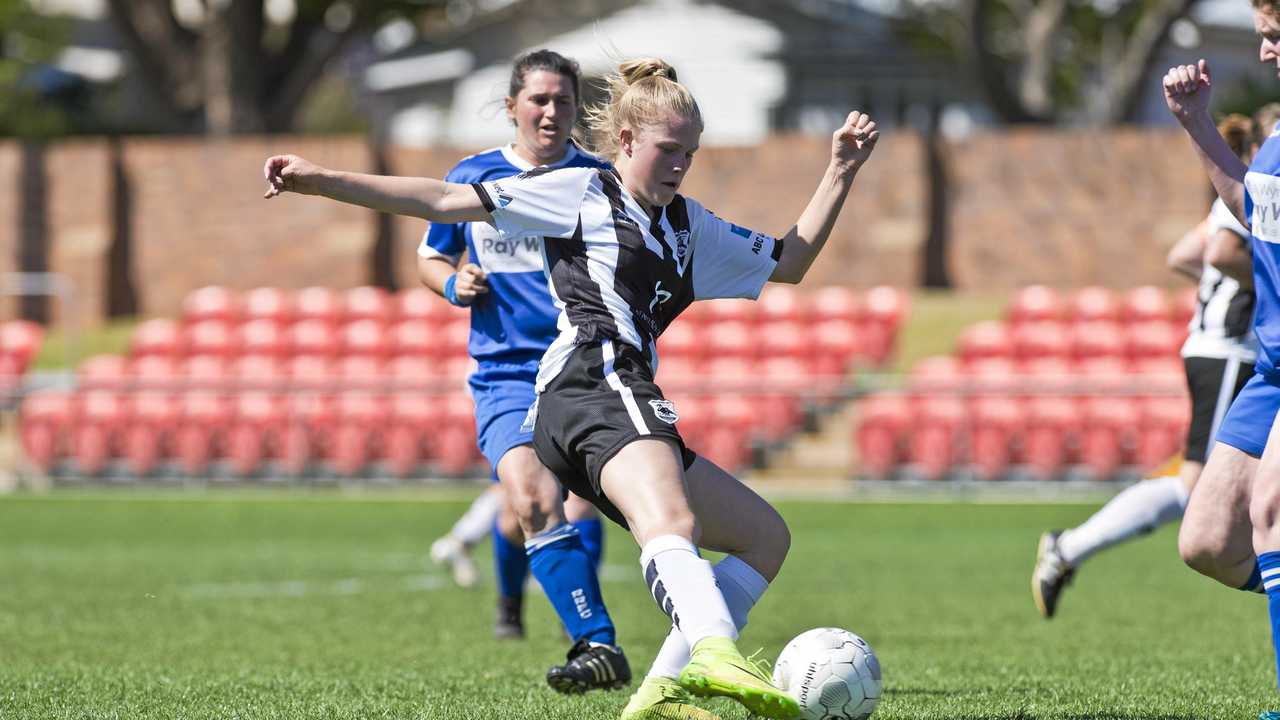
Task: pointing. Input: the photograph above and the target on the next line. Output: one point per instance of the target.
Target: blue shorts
(1248, 422)
(503, 393)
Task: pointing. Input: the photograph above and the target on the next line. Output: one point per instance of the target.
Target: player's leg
(646, 481)
(454, 548)
(1264, 513)
(586, 519)
(564, 569)
(1216, 538)
(736, 521)
(512, 567)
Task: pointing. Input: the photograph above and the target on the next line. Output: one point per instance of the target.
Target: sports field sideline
(314, 605)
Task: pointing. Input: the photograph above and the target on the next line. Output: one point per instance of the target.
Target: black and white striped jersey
(615, 272)
(1222, 326)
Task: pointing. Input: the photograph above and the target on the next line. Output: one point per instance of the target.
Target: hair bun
(633, 71)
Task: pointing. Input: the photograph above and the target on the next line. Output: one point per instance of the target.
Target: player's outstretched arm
(435, 200)
(851, 145)
(1187, 89)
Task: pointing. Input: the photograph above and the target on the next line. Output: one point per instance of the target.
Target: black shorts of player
(603, 399)
(1213, 384)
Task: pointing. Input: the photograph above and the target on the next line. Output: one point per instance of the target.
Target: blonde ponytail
(642, 92)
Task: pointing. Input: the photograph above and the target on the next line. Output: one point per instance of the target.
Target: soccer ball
(832, 673)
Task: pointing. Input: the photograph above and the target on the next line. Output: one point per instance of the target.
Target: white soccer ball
(832, 673)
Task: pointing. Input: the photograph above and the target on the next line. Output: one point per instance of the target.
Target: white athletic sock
(477, 521)
(741, 587)
(685, 588)
(1139, 508)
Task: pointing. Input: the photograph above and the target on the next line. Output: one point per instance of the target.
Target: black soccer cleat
(590, 667)
(510, 622)
(1052, 574)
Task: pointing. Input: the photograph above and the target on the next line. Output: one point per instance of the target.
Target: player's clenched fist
(290, 173)
(1187, 89)
(852, 144)
(471, 281)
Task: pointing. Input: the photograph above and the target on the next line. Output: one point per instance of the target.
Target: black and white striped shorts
(603, 399)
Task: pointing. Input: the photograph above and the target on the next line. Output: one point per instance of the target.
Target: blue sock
(1269, 564)
(1254, 583)
(511, 564)
(591, 530)
(562, 566)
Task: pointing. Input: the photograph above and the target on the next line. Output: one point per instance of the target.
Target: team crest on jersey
(503, 198)
(682, 244)
(665, 410)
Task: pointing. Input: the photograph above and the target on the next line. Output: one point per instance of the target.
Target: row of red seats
(884, 305)
(1046, 434)
(419, 338)
(837, 343)
(1086, 339)
(949, 375)
(270, 372)
(1141, 304)
(20, 342)
(250, 432)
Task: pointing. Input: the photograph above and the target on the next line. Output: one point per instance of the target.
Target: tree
(233, 70)
(28, 42)
(1051, 61)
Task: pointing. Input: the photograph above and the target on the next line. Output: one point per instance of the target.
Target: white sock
(685, 588)
(741, 587)
(1139, 508)
(477, 521)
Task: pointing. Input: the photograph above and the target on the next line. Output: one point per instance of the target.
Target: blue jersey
(516, 320)
(1262, 208)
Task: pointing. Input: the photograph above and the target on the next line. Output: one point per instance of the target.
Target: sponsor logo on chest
(1264, 190)
(496, 254)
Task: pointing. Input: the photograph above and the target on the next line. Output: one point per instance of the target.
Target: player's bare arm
(1187, 89)
(435, 200)
(1230, 254)
(851, 146)
(1186, 257)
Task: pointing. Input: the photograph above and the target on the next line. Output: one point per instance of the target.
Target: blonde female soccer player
(624, 255)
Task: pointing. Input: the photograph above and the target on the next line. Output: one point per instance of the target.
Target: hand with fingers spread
(852, 144)
(471, 281)
(290, 173)
(1187, 89)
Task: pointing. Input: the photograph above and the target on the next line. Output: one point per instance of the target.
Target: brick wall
(1065, 208)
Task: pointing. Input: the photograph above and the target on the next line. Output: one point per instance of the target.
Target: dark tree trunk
(122, 295)
(33, 237)
(935, 262)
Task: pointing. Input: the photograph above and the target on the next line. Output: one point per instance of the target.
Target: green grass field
(317, 606)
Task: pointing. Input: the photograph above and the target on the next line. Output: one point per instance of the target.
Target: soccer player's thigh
(1264, 506)
(735, 520)
(1215, 530)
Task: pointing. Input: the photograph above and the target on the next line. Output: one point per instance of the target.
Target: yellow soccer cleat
(717, 669)
(660, 698)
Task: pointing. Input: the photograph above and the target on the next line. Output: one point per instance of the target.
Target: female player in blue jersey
(513, 320)
(1231, 529)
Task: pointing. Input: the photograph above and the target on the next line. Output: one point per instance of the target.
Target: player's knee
(1204, 552)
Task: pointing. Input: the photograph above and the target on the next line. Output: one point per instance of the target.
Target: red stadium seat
(412, 338)
(453, 446)
(835, 302)
(1162, 429)
(318, 303)
(935, 438)
(104, 371)
(994, 377)
(258, 423)
(411, 373)
(989, 339)
(736, 412)
(259, 372)
(726, 447)
(837, 344)
(682, 339)
(678, 374)
(454, 338)
(210, 337)
(1053, 424)
(101, 420)
(153, 418)
(1160, 377)
(357, 371)
(366, 338)
(204, 372)
(21, 339)
(269, 303)
(729, 375)
(1093, 303)
(880, 433)
(1109, 435)
(1097, 339)
(782, 303)
(885, 308)
(1047, 376)
(1145, 304)
(1103, 376)
(784, 339)
(413, 416)
(46, 420)
(1041, 338)
(205, 418)
(261, 337)
(156, 372)
(725, 339)
(1184, 306)
(715, 312)
(1035, 303)
(937, 375)
(696, 416)
(997, 428)
(312, 337)
(455, 369)
(784, 387)
(156, 337)
(211, 303)
(419, 303)
(1153, 339)
(369, 303)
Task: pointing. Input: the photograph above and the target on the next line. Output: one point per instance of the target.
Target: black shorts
(603, 399)
(1213, 384)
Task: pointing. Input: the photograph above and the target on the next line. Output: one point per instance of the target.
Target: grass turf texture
(314, 606)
